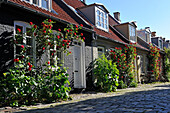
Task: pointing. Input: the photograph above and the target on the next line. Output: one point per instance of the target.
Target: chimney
(164, 39)
(117, 16)
(154, 34)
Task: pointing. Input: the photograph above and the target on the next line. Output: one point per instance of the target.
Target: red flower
(58, 37)
(19, 30)
(43, 48)
(71, 30)
(70, 52)
(16, 60)
(67, 30)
(68, 46)
(81, 25)
(122, 76)
(50, 26)
(30, 66)
(52, 54)
(29, 69)
(35, 26)
(83, 38)
(81, 34)
(67, 43)
(23, 56)
(76, 26)
(123, 67)
(44, 31)
(35, 34)
(31, 23)
(29, 63)
(75, 34)
(48, 62)
(59, 29)
(64, 40)
(125, 45)
(42, 24)
(63, 45)
(125, 51)
(49, 20)
(119, 65)
(22, 46)
(49, 43)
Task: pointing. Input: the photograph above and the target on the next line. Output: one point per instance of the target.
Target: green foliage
(167, 62)
(106, 74)
(24, 84)
(122, 85)
(154, 61)
(124, 59)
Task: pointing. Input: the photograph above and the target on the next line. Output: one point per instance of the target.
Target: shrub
(106, 74)
(25, 84)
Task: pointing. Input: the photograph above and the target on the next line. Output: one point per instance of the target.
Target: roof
(95, 4)
(61, 13)
(77, 4)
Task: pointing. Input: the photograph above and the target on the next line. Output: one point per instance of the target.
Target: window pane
(105, 26)
(98, 23)
(29, 41)
(44, 3)
(19, 29)
(28, 31)
(105, 21)
(102, 25)
(98, 12)
(27, 0)
(101, 14)
(98, 18)
(105, 16)
(102, 20)
(35, 2)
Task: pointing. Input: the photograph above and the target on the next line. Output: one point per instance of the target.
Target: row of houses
(102, 31)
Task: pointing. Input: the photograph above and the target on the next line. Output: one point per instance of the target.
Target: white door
(79, 74)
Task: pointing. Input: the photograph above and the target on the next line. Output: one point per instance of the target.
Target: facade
(102, 32)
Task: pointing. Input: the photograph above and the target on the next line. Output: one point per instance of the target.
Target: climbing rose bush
(26, 84)
(154, 61)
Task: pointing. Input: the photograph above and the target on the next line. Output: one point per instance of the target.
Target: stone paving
(150, 98)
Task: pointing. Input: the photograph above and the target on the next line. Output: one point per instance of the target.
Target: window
(100, 51)
(46, 4)
(160, 44)
(132, 33)
(102, 19)
(22, 38)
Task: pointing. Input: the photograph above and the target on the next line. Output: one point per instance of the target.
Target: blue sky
(147, 13)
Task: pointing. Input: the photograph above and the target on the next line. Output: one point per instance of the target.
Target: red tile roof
(75, 3)
(109, 34)
(61, 13)
(140, 46)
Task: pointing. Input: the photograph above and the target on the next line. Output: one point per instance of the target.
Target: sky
(147, 13)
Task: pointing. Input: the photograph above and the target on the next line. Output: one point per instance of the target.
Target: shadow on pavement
(142, 101)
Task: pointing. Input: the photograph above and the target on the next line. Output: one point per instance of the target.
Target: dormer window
(45, 4)
(101, 19)
(132, 33)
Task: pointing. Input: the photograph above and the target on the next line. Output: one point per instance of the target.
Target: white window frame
(132, 33)
(100, 52)
(105, 17)
(25, 25)
(55, 54)
(49, 4)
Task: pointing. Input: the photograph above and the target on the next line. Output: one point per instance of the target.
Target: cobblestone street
(149, 98)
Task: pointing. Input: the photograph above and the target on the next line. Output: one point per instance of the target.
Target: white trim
(96, 20)
(49, 5)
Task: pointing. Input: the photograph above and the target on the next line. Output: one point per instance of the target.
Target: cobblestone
(150, 98)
